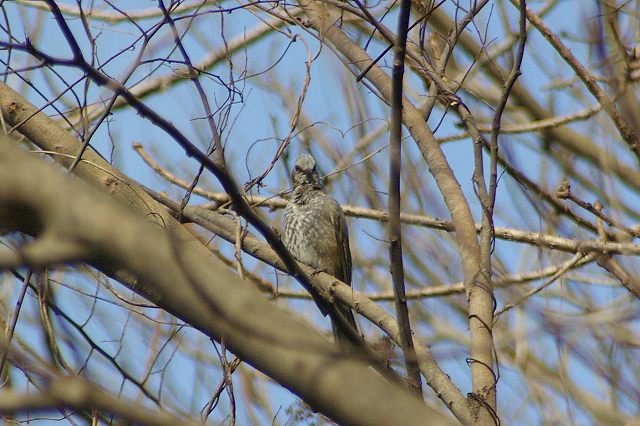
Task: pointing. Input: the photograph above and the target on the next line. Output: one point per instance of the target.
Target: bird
(315, 232)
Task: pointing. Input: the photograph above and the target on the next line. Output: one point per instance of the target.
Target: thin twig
(564, 193)
(574, 260)
(508, 234)
(11, 327)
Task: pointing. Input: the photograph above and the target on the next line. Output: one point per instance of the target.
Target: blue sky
(252, 135)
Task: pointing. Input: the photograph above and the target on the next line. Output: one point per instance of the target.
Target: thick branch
(359, 302)
(179, 279)
(81, 395)
(48, 136)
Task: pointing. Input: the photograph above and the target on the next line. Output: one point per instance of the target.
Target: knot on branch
(564, 190)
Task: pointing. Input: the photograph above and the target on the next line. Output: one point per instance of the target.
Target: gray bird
(315, 231)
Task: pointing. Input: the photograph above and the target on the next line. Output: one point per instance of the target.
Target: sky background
(256, 124)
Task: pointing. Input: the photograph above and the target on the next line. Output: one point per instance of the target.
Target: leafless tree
(486, 154)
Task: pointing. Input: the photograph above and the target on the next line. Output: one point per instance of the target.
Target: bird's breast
(310, 236)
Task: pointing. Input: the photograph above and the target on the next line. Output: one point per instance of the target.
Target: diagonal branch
(626, 130)
(179, 280)
(323, 301)
(359, 302)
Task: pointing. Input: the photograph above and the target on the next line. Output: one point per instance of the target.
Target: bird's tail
(340, 337)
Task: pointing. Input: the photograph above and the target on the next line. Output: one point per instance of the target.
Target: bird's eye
(297, 169)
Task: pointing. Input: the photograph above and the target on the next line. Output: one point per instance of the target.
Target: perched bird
(315, 231)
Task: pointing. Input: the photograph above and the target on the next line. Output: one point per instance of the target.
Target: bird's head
(305, 172)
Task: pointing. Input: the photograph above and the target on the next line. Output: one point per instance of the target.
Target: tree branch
(395, 230)
(179, 281)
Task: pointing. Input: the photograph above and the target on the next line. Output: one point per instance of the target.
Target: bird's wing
(342, 240)
(344, 256)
